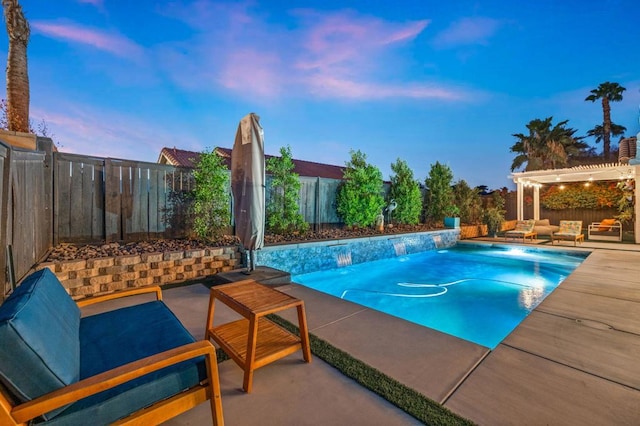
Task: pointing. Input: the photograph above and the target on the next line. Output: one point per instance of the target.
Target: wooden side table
(253, 341)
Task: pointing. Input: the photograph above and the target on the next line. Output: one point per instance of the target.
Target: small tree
(211, 196)
(405, 191)
(468, 201)
(494, 213)
(359, 198)
(439, 199)
(283, 215)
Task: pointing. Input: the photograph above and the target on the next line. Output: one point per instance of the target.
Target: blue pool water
(476, 293)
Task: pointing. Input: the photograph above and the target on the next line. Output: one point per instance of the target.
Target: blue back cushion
(39, 335)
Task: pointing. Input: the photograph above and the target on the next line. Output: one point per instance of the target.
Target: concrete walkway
(574, 360)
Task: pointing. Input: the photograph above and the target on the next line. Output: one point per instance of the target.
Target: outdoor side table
(254, 341)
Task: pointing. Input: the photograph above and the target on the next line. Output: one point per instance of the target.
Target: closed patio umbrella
(248, 186)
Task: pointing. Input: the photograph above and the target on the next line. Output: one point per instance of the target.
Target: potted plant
(452, 217)
(494, 214)
(493, 218)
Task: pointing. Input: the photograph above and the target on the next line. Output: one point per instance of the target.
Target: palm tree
(17, 74)
(598, 131)
(546, 147)
(607, 92)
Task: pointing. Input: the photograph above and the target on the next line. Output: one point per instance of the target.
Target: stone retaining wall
(106, 274)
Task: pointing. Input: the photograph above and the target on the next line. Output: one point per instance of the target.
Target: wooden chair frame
(594, 228)
(577, 237)
(159, 412)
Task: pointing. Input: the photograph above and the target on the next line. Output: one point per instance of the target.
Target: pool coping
(511, 385)
(532, 374)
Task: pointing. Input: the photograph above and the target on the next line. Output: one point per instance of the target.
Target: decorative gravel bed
(64, 252)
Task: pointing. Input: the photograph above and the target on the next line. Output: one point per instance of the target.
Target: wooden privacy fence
(26, 181)
(318, 201)
(113, 200)
(48, 198)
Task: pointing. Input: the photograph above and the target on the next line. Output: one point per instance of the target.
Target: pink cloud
(330, 87)
(252, 71)
(336, 54)
(340, 38)
(113, 43)
(467, 31)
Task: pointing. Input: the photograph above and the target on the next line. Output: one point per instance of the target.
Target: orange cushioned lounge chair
(607, 230)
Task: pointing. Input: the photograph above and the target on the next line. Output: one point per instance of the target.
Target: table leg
(304, 333)
(212, 305)
(251, 354)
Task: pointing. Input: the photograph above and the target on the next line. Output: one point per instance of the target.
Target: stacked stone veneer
(104, 275)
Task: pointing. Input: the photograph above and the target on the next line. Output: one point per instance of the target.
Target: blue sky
(420, 80)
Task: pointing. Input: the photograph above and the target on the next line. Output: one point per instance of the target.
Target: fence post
(46, 145)
(112, 201)
(317, 218)
(5, 162)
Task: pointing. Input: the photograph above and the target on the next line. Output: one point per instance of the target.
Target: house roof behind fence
(181, 157)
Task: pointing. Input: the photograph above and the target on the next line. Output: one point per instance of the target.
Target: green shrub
(598, 195)
(211, 206)
(626, 203)
(405, 191)
(439, 198)
(493, 214)
(469, 202)
(359, 198)
(283, 215)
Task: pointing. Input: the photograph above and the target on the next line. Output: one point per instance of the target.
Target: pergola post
(520, 200)
(636, 229)
(536, 202)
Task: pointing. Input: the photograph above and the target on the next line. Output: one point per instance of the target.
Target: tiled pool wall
(321, 255)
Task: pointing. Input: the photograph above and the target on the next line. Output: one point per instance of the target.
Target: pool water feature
(474, 292)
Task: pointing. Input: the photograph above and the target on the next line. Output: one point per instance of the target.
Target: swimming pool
(474, 292)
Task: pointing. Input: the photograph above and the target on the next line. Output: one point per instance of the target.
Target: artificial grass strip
(221, 355)
(403, 397)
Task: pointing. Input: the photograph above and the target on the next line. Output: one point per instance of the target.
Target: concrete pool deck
(574, 360)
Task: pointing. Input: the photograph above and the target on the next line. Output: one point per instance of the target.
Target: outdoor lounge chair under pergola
(600, 172)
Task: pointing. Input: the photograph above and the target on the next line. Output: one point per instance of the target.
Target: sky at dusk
(420, 80)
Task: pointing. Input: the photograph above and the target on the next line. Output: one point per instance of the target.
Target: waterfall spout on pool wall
(400, 248)
(343, 259)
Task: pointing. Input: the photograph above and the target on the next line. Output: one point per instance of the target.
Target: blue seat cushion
(39, 335)
(115, 338)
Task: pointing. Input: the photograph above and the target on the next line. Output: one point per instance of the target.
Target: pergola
(599, 172)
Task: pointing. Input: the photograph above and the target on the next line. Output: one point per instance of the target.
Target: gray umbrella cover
(248, 182)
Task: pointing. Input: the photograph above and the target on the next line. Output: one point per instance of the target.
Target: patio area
(574, 360)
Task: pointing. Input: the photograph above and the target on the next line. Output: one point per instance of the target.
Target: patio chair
(570, 230)
(523, 229)
(607, 230)
(132, 365)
